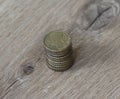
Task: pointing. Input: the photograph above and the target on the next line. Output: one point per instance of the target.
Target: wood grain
(23, 25)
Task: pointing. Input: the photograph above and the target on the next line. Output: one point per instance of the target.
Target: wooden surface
(23, 25)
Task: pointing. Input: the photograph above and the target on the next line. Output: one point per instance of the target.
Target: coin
(60, 59)
(58, 68)
(57, 43)
(59, 54)
(60, 64)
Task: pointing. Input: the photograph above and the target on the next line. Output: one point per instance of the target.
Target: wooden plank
(23, 25)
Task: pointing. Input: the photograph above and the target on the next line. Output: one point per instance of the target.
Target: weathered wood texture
(96, 72)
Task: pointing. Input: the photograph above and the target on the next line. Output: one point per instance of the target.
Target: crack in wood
(7, 90)
(4, 95)
(12, 84)
(99, 15)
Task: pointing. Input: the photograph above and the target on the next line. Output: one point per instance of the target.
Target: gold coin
(58, 68)
(62, 64)
(57, 42)
(59, 54)
(60, 59)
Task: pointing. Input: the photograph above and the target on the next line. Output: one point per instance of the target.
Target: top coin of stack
(58, 49)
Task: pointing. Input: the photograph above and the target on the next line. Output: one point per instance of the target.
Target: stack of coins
(58, 49)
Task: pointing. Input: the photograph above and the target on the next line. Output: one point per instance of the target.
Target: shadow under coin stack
(58, 49)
